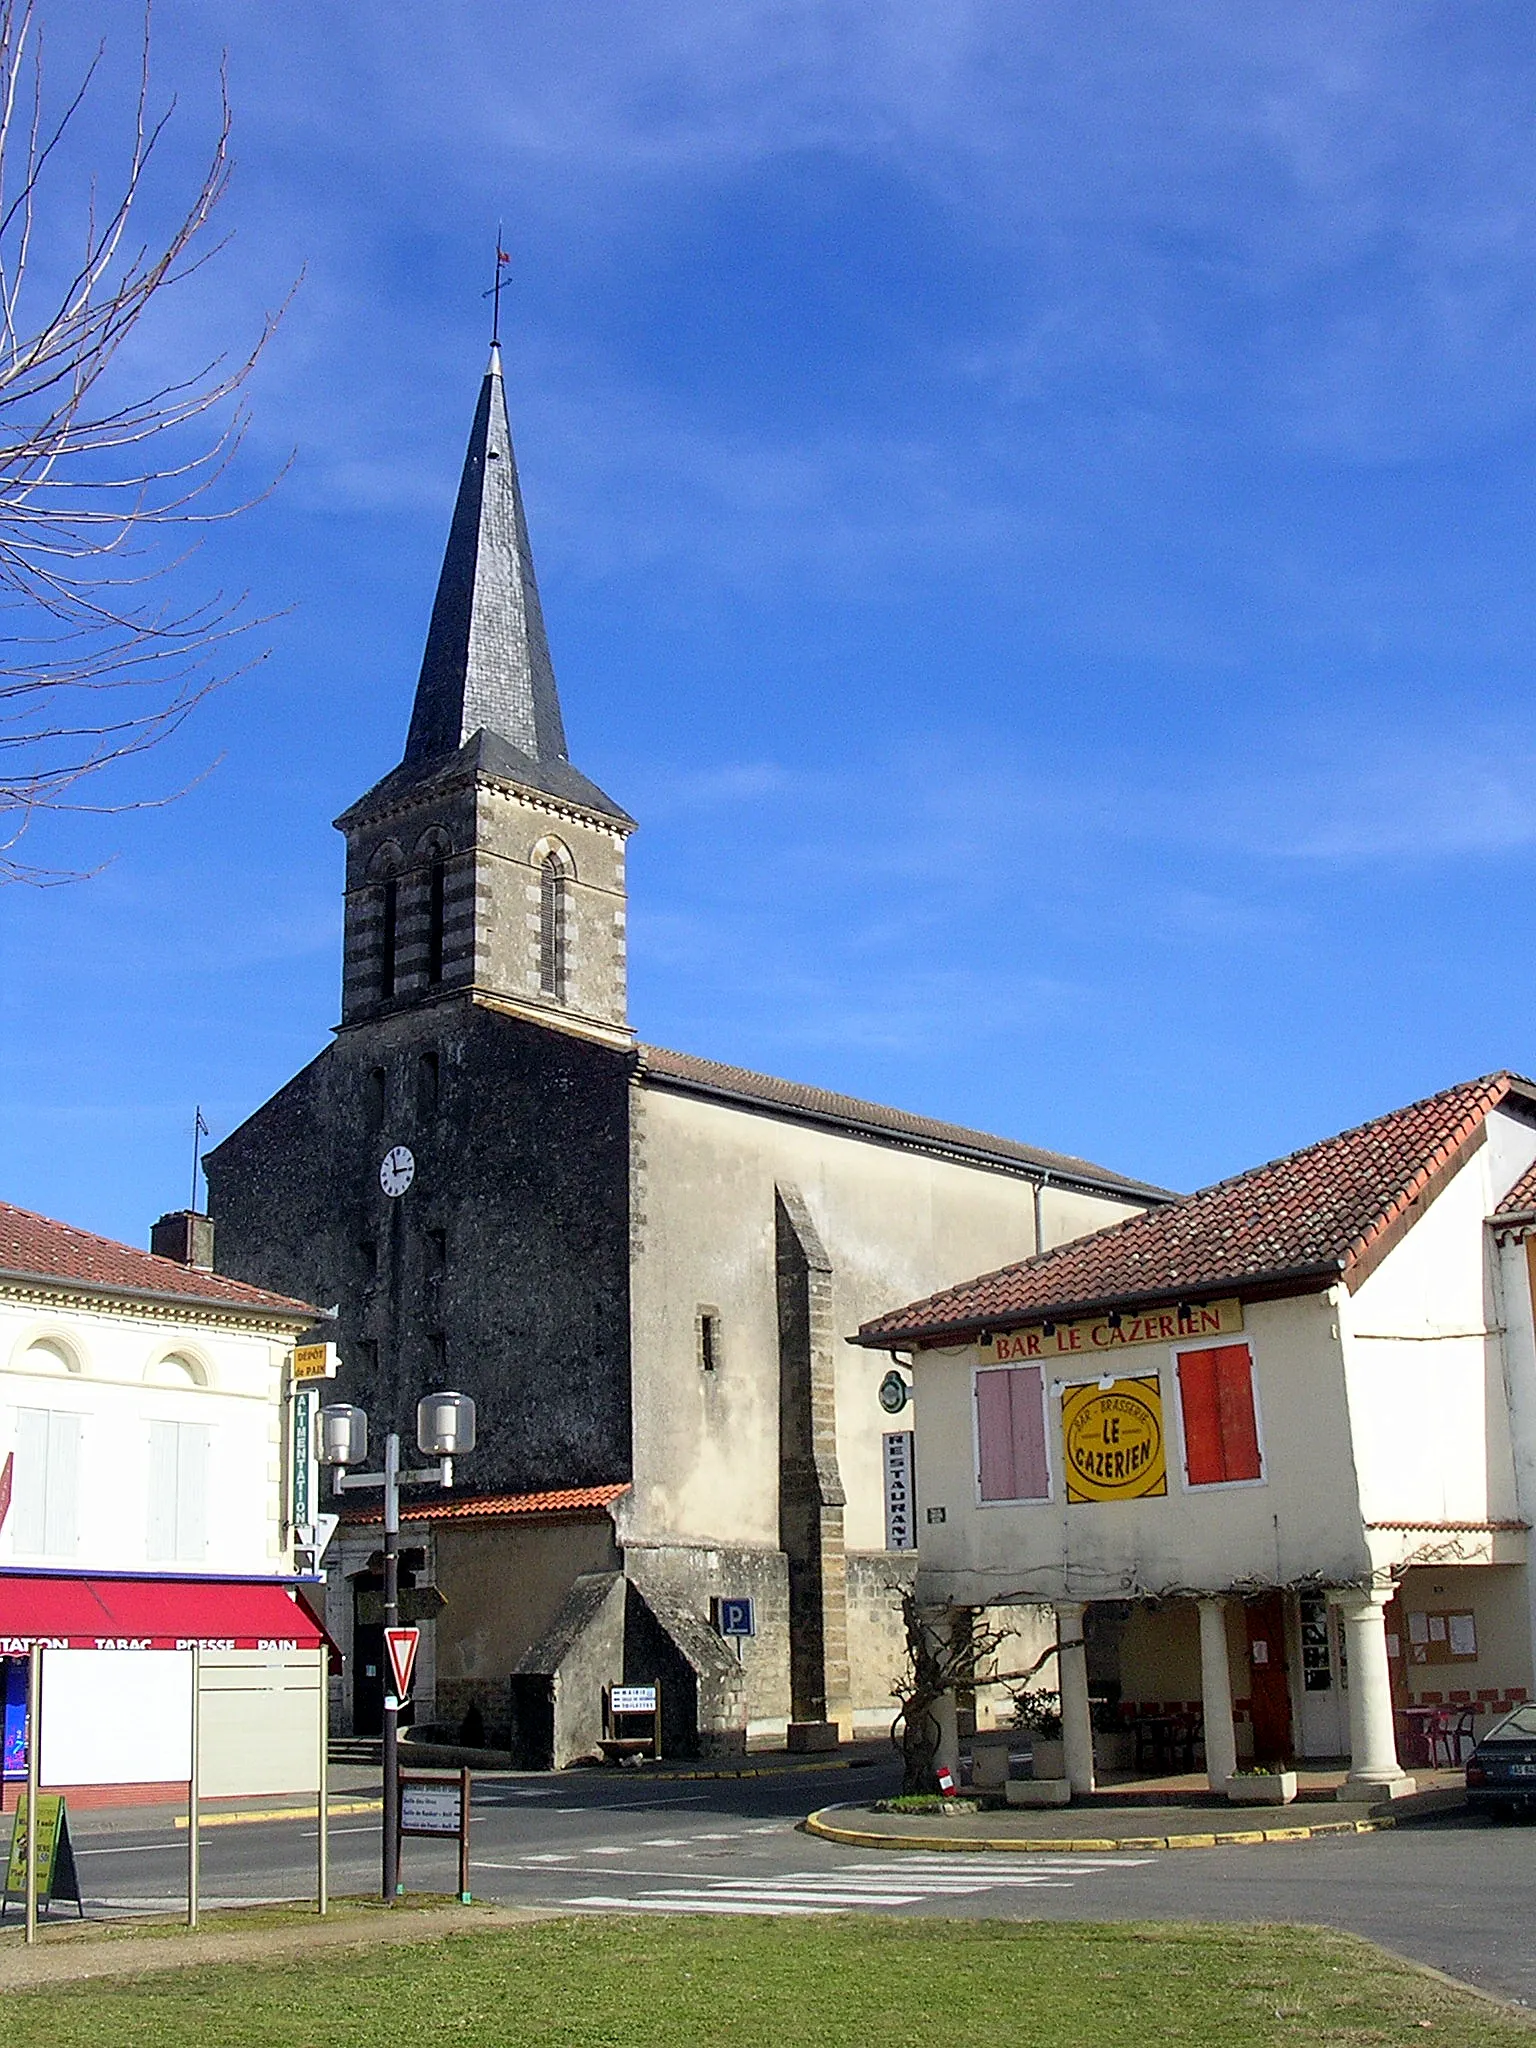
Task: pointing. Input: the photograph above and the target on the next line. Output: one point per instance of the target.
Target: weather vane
(494, 294)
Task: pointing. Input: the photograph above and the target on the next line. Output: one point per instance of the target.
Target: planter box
(1039, 1792)
(1048, 1759)
(990, 1758)
(1268, 1788)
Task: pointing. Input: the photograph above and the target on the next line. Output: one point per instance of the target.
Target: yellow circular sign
(1114, 1441)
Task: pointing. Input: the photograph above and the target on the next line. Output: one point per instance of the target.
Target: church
(644, 1265)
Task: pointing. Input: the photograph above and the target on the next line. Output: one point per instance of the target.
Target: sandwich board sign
(402, 1645)
(56, 1875)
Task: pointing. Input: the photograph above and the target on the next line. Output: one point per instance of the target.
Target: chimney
(186, 1237)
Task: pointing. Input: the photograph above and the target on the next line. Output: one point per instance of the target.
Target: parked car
(1501, 1771)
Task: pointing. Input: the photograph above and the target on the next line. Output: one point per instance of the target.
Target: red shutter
(1203, 1462)
(1221, 1435)
(994, 1436)
(1234, 1394)
(1030, 1471)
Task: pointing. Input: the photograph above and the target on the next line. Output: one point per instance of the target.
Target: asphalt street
(1458, 1892)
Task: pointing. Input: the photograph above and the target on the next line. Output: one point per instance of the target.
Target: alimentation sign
(1112, 1332)
(1112, 1438)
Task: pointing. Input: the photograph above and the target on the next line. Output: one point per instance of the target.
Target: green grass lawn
(845, 1983)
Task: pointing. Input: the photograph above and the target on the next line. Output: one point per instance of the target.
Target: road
(1458, 1893)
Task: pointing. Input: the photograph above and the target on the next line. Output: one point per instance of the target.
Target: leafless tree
(104, 480)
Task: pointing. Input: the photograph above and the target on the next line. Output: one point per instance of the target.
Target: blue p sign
(736, 1618)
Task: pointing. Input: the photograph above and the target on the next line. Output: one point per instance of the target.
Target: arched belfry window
(554, 917)
(383, 871)
(434, 849)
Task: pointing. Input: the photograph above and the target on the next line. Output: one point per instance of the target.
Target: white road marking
(889, 1883)
(137, 1849)
(700, 1905)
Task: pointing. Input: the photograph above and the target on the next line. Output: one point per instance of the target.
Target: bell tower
(485, 864)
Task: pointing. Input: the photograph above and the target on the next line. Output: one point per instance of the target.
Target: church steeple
(486, 865)
(487, 666)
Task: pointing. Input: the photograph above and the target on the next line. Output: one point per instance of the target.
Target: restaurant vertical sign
(900, 1495)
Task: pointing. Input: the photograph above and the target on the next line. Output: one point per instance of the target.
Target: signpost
(438, 1807)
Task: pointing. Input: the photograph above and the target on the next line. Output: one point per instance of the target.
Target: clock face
(397, 1171)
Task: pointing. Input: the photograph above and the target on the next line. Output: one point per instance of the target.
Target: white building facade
(1268, 1454)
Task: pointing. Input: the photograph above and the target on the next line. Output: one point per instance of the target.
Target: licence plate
(1522, 1770)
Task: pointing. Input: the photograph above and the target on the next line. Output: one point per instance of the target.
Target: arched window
(435, 924)
(554, 884)
(434, 848)
(383, 873)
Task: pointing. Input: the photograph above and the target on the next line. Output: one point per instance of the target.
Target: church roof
(488, 754)
(486, 669)
(688, 1074)
(1327, 1213)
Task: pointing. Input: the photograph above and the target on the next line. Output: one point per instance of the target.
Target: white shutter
(191, 1492)
(61, 1534)
(161, 1544)
(30, 1490)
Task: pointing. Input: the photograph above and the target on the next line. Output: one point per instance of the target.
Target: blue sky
(1033, 508)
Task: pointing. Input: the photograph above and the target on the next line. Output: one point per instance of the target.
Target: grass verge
(844, 1983)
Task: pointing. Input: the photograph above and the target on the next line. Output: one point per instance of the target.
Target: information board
(430, 1808)
(632, 1699)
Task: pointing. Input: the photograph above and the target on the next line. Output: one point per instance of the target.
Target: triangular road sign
(402, 1644)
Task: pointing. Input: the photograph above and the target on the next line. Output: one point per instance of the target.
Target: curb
(862, 1838)
(240, 1820)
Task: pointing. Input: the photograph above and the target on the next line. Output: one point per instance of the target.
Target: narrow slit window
(428, 1081)
(552, 922)
(709, 1339)
(387, 955)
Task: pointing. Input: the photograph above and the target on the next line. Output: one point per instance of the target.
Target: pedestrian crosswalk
(911, 1879)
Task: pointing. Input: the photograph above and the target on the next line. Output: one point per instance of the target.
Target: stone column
(1076, 1726)
(1216, 1695)
(1374, 1771)
(945, 1711)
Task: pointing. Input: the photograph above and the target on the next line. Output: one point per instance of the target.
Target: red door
(1268, 1685)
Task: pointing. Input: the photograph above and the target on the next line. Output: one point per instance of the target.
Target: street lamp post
(445, 1430)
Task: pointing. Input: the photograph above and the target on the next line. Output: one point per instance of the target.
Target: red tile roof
(499, 1507)
(689, 1074)
(36, 1248)
(1521, 1199)
(1320, 1215)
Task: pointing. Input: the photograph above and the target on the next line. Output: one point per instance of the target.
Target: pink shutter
(994, 1435)
(1030, 1472)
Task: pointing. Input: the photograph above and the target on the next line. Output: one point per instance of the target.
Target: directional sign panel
(402, 1645)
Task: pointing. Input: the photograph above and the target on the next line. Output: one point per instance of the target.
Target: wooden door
(1269, 1685)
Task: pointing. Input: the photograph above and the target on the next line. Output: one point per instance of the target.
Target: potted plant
(1038, 1714)
(1261, 1785)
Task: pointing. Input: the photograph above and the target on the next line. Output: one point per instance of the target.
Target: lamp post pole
(391, 1879)
(445, 1429)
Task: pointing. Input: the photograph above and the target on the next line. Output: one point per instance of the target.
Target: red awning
(151, 1614)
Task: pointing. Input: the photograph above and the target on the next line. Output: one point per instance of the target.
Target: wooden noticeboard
(57, 1877)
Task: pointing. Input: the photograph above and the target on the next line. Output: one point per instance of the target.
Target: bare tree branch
(96, 482)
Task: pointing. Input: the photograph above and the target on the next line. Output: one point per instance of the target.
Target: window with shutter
(178, 1493)
(1010, 1434)
(45, 1503)
(1221, 1435)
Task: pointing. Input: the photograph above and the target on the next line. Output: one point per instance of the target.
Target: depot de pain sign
(1092, 1336)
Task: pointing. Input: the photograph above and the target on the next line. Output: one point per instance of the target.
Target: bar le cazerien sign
(1093, 1335)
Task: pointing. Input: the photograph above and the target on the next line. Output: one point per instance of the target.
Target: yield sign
(402, 1643)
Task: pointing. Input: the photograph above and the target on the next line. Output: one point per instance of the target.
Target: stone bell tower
(485, 864)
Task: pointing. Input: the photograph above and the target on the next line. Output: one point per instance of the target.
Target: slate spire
(486, 665)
